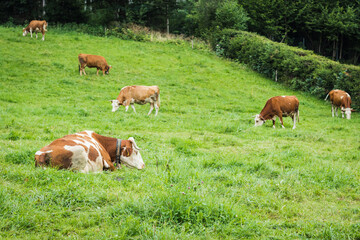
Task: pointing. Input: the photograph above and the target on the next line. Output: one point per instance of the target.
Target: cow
(93, 61)
(36, 26)
(88, 151)
(280, 106)
(340, 99)
(137, 94)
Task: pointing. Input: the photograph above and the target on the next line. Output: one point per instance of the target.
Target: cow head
(259, 120)
(107, 69)
(131, 156)
(347, 112)
(115, 105)
(25, 32)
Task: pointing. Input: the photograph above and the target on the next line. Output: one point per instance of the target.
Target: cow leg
(336, 111)
(332, 110)
(273, 123)
(151, 108)
(97, 72)
(133, 107)
(156, 109)
(110, 165)
(281, 120)
(103, 72)
(36, 34)
(84, 71)
(127, 103)
(31, 32)
(342, 113)
(43, 36)
(294, 119)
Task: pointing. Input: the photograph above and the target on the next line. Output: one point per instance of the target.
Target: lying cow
(89, 152)
(93, 61)
(340, 99)
(36, 26)
(140, 95)
(280, 106)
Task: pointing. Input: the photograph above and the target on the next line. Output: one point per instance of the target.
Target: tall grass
(209, 173)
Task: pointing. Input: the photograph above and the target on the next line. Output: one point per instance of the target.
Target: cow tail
(158, 100)
(326, 97)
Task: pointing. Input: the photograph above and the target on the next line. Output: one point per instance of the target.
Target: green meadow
(210, 174)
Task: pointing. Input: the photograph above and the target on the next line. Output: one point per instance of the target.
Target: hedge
(297, 68)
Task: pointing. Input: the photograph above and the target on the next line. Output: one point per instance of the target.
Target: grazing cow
(140, 95)
(93, 61)
(280, 106)
(36, 26)
(89, 152)
(342, 99)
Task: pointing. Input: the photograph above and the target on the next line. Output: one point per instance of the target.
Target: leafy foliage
(299, 69)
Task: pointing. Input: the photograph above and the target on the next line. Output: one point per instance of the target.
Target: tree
(230, 14)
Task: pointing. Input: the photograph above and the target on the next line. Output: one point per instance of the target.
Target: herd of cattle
(90, 152)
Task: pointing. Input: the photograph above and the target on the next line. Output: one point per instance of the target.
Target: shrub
(297, 68)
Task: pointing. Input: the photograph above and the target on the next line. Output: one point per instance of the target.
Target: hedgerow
(297, 68)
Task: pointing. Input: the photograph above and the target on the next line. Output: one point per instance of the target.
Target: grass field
(209, 173)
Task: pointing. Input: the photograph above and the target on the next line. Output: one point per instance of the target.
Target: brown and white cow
(138, 94)
(36, 26)
(89, 152)
(93, 61)
(280, 106)
(340, 99)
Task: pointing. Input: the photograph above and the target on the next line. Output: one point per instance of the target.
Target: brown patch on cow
(93, 154)
(127, 148)
(340, 98)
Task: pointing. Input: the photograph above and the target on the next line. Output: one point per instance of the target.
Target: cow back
(80, 151)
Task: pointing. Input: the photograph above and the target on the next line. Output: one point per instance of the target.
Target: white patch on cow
(347, 113)
(148, 100)
(283, 96)
(258, 121)
(79, 158)
(106, 165)
(134, 160)
(82, 162)
(348, 95)
(25, 33)
(115, 105)
(341, 97)
(40, 152)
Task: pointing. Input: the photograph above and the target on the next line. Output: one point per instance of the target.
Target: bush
(297, 68)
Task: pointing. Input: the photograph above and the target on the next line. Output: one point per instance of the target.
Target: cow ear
(127, 152)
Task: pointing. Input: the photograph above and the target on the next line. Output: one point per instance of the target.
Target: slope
(209, 173)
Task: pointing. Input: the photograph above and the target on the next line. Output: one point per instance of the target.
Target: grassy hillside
(209, 173)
